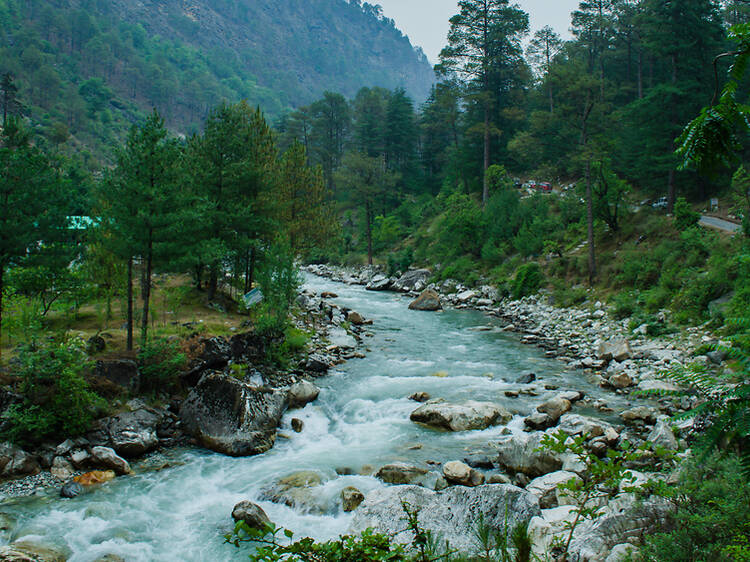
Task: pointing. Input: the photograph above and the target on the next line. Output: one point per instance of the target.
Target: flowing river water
(361, 418)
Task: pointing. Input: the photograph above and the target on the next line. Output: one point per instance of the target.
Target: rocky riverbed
(448, 411)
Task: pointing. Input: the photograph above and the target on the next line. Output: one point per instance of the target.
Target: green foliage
(684, 216)
(274, 544)
(160, 361)
(529, 279)
(711, 520)
(57, 400)
(725, 398)
(279, 279)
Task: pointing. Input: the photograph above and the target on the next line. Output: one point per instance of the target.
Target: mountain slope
(91, 65)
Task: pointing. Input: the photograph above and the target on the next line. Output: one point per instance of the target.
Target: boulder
(639, 414)
(574, 424)
(130, 434)
(539, 421)
(619, 350)
(356, 318)
(71, 489)
(520, 453)
(338, 337)
(623, 519)
(25, 551)
(414, 280)
(652, 385)
(546, 488)
(315, 364)
(14, 461)
(95, 477)
(528, 378)
(296, 490)
(401, 473)
(297, 425)
(457, 472)
(460, 417)
(122, 372)
(61, 468)
(555, 407)
(379, 282)
(213, 354)
(428, 300)
(621, 380)
(95, 344)
(663, 436)
(252, 514)
(302, 393)
(622, 552)
(104, 457)
(420, 397)
(548, 528)
(231, 417)
(351, 498)
(451, 514)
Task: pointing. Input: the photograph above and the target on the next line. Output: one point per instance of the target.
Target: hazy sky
(426, 21)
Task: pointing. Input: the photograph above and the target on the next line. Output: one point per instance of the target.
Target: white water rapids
(361, 418)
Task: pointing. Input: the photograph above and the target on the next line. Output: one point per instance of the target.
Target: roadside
(720, 224)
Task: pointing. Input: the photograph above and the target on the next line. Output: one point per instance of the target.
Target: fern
(724, 407)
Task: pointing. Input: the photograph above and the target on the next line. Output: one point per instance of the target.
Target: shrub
(711, 521)
(624, 304)
(58, 402)
(279, 278)
(529, 279)
(684, 216)
(160, 362)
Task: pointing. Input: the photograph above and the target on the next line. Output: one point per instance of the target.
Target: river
(361, 418)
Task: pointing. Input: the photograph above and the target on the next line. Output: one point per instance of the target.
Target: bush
(684, 216)
(279, 279)
(624, 305)
(711, 521)
(529, 279)
(160, 362)
(58, 402)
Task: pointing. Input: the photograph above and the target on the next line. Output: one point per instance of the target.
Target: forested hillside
(88, 67)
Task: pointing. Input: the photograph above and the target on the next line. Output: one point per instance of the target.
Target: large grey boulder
(457, 472)
(297, 490)
(451, 514)
(401, 473)
(104, 457)
(555, 407)
(460, 417)
(130, 434)
(14, 461)
(663, 436)
(351, 498)
(428, 300)
(252, 514)
(379, 283)
(232, 417)
(624, 518)
(27, 551)
(575, 424)
(122, 372)
(619, 350)
(546, 488)
(520, 453)
(414, 280)
(302, 393)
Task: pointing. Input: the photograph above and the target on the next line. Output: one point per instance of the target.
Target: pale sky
(426, 21)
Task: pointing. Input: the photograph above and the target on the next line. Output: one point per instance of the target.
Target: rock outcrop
(252, 514)
(460, 417)
(451, 514)
(429, 301)
(232, 417)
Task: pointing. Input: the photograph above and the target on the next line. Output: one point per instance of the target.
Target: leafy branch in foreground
(712, 139)
(270, 545)
(724, 408)
(601, 478)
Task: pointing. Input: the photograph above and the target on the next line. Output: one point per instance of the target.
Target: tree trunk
(213, 282)
(485, 179)
(251, 271)
(129, 345)
(590, 224)
(671, 179)
(2, 274)
(146, 293)
(640, 74)
(368, 218)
